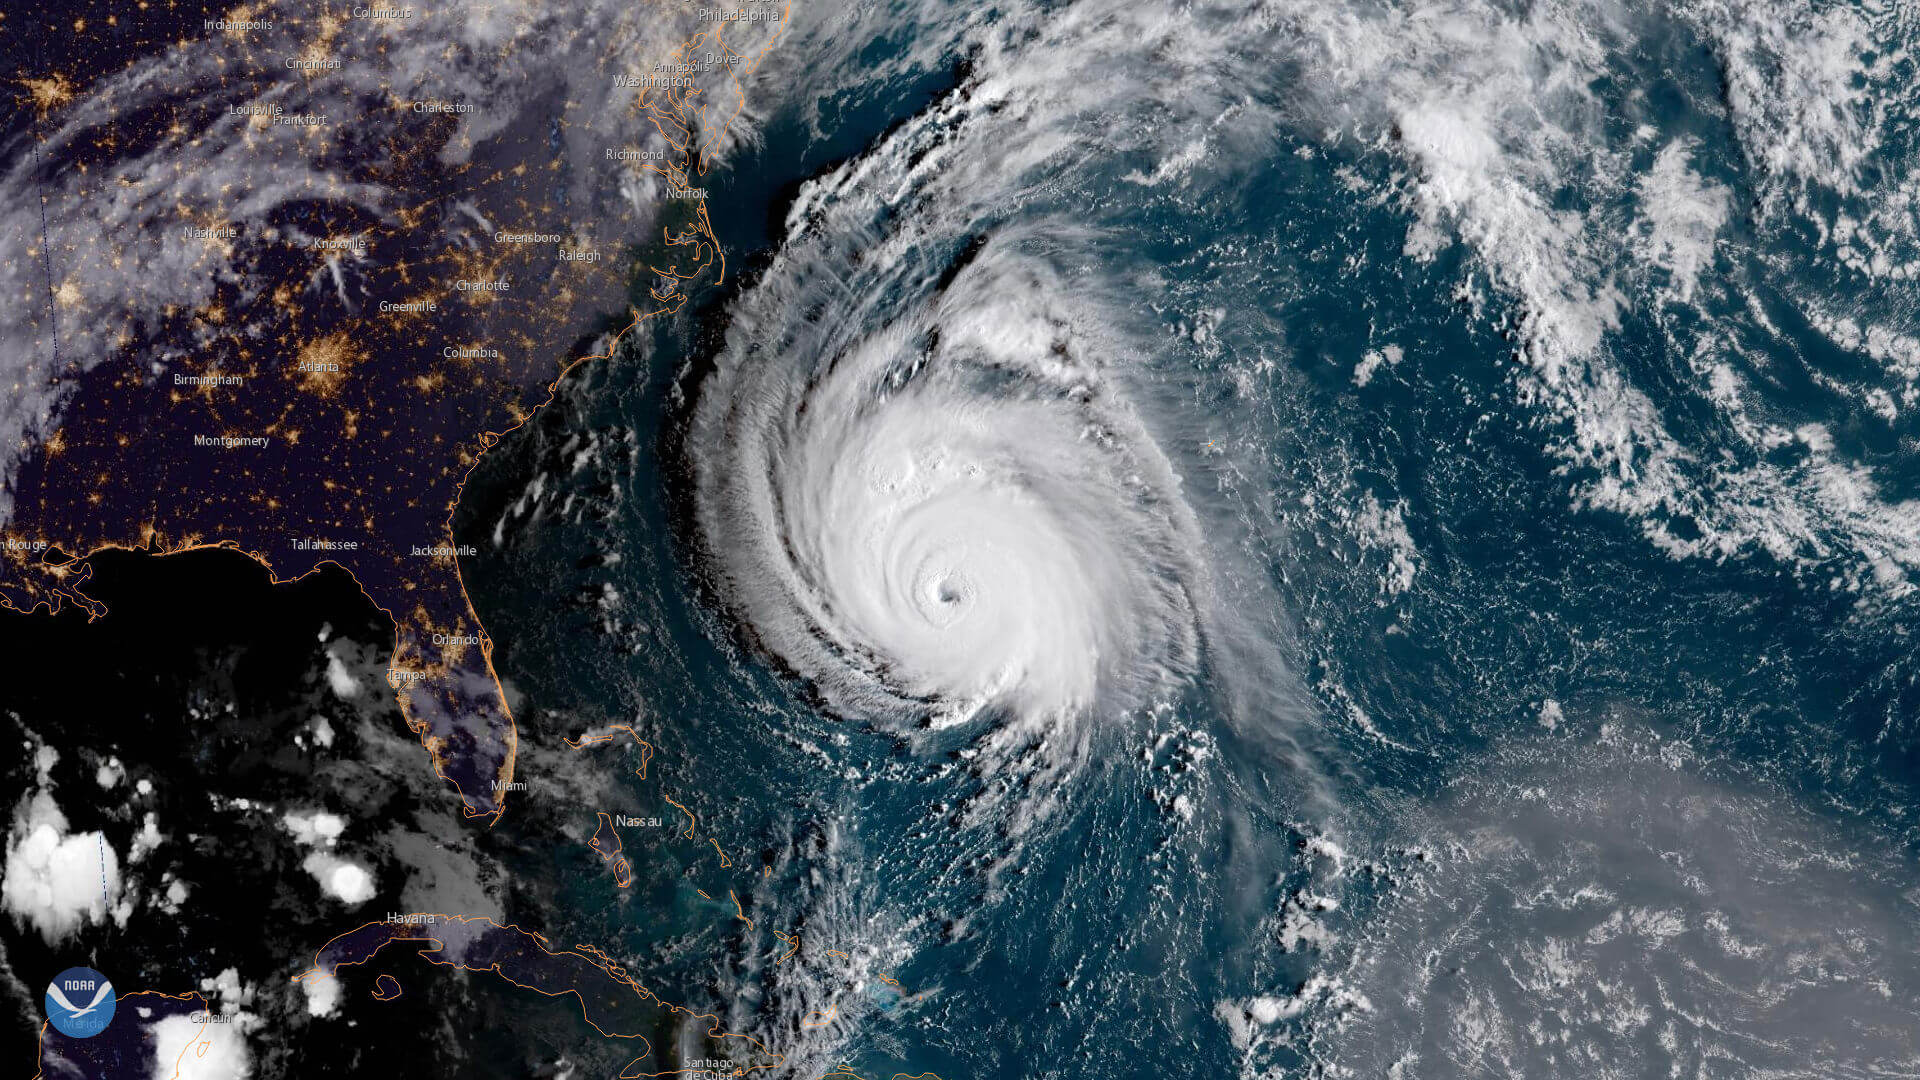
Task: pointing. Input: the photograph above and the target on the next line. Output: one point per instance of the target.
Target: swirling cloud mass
(952, 513)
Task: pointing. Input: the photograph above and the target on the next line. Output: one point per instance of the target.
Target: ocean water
(1291, 539)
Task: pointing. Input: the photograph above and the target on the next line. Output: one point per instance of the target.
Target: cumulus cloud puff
(323, 994)
(347, 882)
(56, 881)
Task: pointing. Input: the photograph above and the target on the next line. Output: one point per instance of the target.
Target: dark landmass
(286, 283)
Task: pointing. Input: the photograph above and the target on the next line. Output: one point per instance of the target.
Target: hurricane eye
(958, 542)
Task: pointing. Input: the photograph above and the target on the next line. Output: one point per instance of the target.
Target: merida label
(80, 1003)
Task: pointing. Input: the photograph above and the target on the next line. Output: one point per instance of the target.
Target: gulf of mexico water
(1307, 539)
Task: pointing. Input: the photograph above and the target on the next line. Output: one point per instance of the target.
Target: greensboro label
(80, 1003)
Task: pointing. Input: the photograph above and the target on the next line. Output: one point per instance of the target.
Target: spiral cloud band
(946, 514)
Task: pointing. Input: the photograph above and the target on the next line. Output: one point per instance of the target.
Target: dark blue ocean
(1293, 540)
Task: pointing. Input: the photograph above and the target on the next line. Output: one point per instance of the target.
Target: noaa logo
(80, 1003)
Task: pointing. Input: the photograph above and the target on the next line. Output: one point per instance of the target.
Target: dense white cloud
(184, 1049)
(350, 883)
(56, 881)
(315, 829)
(323, 994)
(340, 679)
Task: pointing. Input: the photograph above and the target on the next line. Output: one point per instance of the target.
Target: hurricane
(958, 513)
(952, 512)
(1070, 539)
(926, 482)
(1206, 493)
